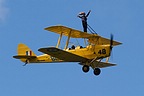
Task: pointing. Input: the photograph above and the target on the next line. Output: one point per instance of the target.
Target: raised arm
(88, 13)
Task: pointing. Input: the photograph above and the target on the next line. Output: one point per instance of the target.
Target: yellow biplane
(88, 56)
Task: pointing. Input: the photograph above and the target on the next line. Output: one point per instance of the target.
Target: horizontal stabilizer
(24, 57)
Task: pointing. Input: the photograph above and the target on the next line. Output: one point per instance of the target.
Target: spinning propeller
(111, 46)
(111, 43)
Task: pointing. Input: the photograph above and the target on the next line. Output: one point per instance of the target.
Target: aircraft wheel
(85, 68)
(97, 71)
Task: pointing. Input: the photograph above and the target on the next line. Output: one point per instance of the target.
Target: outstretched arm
(88, 13)
(79, 16)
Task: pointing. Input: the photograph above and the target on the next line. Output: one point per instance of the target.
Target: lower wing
(98, 64)
(62, 55)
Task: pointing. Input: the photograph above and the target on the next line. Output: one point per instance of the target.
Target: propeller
(111, 46)
(111, 43)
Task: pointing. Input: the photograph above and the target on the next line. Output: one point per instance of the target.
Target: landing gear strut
(85, 68)
(97, 71)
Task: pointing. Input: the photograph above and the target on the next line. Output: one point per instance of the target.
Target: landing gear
(85, 68)
(97, 71)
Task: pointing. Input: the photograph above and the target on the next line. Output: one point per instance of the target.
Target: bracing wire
(91, 29)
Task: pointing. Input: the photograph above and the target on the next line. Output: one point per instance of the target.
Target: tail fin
(24, 53)
(22, 49)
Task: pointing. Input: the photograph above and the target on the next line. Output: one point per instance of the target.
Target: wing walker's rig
(89, 56)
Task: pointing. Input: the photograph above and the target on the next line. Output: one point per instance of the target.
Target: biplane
(91, 55)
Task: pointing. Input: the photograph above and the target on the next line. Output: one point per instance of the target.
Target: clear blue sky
(23, 21)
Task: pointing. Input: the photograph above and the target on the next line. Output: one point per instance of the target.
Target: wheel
(97, 71)
(85, 68)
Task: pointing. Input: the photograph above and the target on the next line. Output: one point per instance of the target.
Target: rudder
(22, 49)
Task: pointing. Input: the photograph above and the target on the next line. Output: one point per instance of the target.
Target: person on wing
(83, 17)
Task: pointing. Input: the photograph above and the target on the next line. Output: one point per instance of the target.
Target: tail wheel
(97, 71)
(85, 68)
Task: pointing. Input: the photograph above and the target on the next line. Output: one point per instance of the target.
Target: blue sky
(23, 21)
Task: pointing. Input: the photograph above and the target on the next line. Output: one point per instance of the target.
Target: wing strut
(59, 40)
(68, 40)
(93, 60)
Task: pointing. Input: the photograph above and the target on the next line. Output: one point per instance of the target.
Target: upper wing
(73, 33)
(93, 38)
(62, 55)
(97, 64)
(101, 41)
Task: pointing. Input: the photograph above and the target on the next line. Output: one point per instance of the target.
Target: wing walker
(91, 55)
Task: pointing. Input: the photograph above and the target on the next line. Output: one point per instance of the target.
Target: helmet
(82, 13)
